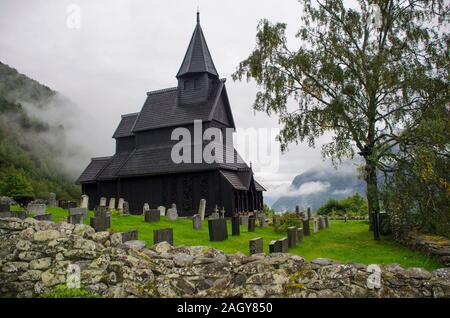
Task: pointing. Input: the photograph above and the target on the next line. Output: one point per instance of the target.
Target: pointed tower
(197, 75)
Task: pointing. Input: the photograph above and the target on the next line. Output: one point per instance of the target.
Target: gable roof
(241, 181)
(93, 169)
(197, 58)
(161, 109)
(125, 126)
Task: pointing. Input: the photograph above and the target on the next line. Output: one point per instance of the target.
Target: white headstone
(102, 201)
(84, 201)
(316, 226)
(146, 207)
(112, 204)
(172, 214)
(201, 209)
(120, 204)
(162, 210)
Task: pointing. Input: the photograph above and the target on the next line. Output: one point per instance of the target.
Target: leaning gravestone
(112, 204)
(162, 210)
(84, 201)
(244, 220)
(218, 230)
(300, 235)
(152, 216)
(172, 214)
(36, 209)
(256, 246)
(163, 235)
(77, 215)
(196, 222)
(43, 217)
(102, 219)
(251, 224)
(306, 230)
(102, 201)
(201, 209)
(52, 199)
(120, 204)
(292, 236)
(235, 226)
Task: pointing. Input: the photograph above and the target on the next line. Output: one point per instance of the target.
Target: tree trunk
(372, 197)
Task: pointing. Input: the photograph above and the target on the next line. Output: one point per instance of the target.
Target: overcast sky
(125, 48)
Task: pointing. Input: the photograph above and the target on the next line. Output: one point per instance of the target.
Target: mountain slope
(314, 187)
(32, 142)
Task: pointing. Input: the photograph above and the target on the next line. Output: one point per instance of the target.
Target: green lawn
(345, 242)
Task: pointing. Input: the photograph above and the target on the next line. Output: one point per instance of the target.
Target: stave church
(142, 169)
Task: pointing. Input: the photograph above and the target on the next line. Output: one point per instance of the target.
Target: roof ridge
(101, 158)
(164, 90)
(129, 115)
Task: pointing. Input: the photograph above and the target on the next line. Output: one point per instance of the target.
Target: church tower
(197, 75)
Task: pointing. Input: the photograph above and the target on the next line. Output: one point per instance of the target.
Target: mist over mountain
(315, 186)
(37, 126)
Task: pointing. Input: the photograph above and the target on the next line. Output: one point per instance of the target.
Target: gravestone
(222, 213)
(172, 214)
(112, 204)
(215, 214)
(77, 215)
(273, 247)
(101, 221)
(36, 209)
(162, 210)
(292, 236)
(284, 244)
(276, 220)
(244, 220)
(251, 224)
(309, 213)
(300, 235)
(152, 216)
(256, 246)
(262, 220)
(322, 223)
(5, 214)
(120, 204)
(327, 222)
(146, 208)
(235, 226)
(174, 206)
(201, 209)
(316, 226)
(131, 235)
(196, 222)
(297, 209)
(163, 235)
(306, 229)
(125, 208)
(102, 201)
(218, 230)
(84, 201)
(43, 217)
(52, 199)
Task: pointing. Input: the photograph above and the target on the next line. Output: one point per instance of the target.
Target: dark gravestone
(256, 245)
(163, 235)
(102, 219)
(43, 217)
(129, 236)
(327, 222)
(5, 214)
(251, 224)
(309, 213)
(4, 207)
(153, 215)
(284, 244)
(19, 214)
(235, 226)
(292, 236)
(217, 230)
(196, 222)
(273, 247)
(300, 235)
(306, 230)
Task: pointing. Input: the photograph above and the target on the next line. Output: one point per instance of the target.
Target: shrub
(62, 291)
(288, 219)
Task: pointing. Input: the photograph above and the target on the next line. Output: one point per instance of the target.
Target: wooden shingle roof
(93, 169)
(125, 126)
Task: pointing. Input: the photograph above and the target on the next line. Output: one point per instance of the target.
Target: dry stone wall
(35, 256)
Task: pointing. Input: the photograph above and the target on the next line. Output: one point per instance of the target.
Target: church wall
(125, 144)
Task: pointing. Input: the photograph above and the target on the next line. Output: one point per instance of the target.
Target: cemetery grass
(344, 242)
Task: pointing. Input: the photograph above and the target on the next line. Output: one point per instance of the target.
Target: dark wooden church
(142, 171)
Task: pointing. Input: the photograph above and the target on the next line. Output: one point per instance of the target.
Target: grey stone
(112, 204)
(315, 226)
(84, 202)
(218, 230)
(44, 217)
(201, 209)
(125, 208)
(244, 220)
(251, 224)
(172, 214)
(131, 235)
(102, 219)
(284, 244)
(196, 222)
(256, 245)
(135, 244)
(306, 229)
(152, 215)
(102, 201)
(36, 209)
(292, 236)
(163, 235)
(120, 204)
(300, 235)
(162, 210)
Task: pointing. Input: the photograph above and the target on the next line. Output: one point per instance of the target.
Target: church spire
(198, 58)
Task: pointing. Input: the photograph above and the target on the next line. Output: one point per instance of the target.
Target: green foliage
(350, 206)
(288, 219)
(62, 291)
(268, 212)
(17, 185)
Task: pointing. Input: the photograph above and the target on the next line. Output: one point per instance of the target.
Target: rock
(47, 235)
(183, 260)
(100, 237)
(13, 267)
(32, 275)
(420, 273)
(162, 247)
(41, 263)
(135, 244)
(323, 261)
